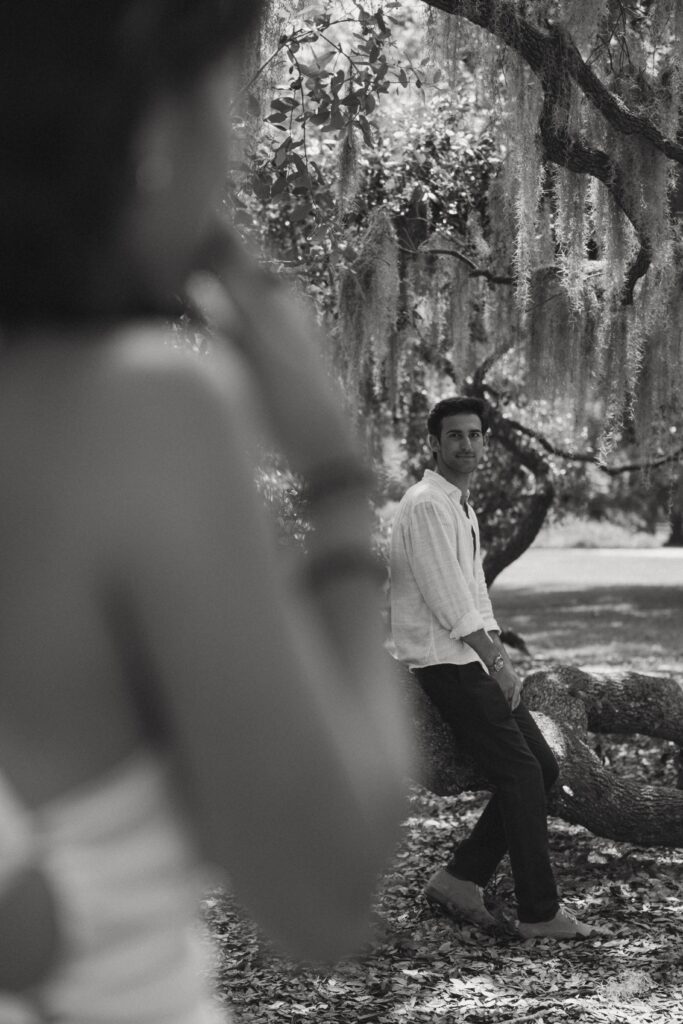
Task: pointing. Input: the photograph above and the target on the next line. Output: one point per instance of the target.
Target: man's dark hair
(454, 407)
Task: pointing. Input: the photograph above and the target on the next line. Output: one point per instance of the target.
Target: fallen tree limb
(567, 703)
(619, 702)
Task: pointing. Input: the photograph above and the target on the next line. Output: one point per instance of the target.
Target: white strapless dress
(127, 883)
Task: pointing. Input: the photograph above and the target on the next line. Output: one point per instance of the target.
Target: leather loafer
(460, 899)
(563, 926)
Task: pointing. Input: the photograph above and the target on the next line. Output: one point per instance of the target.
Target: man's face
(461, 446)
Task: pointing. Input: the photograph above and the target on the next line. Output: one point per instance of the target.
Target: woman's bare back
(67, 716)
(142, 601)
(67, 712)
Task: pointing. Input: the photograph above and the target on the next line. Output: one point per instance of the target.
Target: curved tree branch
(475, 271)
(571, 152)
(568, 151)
(591, 457)
(555, 59)
(525, 531)
(541, 51)
(612, 107)
(479, 375)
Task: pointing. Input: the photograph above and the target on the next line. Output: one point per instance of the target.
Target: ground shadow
(609, 624)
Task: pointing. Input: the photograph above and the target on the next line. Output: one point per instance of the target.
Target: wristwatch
(496, 665)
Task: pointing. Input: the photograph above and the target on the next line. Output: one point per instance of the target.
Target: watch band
(497, 664)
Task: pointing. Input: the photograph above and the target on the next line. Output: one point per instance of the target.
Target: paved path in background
(580, 568)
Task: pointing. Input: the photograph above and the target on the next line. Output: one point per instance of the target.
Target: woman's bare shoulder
(145, 414)
(154, 357)
(150, 384)
(75, 374)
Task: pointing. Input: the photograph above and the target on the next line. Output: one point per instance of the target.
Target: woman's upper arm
(269, 751)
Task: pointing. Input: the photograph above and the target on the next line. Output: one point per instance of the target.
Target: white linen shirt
(438, 590)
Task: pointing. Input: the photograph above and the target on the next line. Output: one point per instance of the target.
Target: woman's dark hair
(75, 77)
(454, 407)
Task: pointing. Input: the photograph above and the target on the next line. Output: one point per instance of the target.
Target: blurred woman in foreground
(168, 697)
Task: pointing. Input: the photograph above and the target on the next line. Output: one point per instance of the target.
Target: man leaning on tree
(443, 627)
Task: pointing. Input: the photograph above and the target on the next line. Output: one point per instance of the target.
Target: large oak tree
(531, 253)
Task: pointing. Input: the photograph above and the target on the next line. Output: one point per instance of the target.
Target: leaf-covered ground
(424, 967)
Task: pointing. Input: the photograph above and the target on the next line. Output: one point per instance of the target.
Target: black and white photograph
(341, 512)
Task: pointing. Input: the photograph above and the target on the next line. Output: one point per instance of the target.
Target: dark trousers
(510, 750)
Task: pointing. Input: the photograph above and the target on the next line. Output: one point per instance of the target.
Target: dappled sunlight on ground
(422, 966)
(600, 626)
(581, 607)
(577, 606)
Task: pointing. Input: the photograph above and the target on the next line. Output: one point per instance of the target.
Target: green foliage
(282, 497)
(394, 166)
(349, 221)
(333, 69)
(344, 135)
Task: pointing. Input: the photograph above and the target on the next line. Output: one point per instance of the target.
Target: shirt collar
(445, 485)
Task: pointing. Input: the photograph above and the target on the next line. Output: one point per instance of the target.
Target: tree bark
(622, 702)
(526, 531)
(675, 539)
(566, 704)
